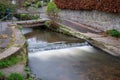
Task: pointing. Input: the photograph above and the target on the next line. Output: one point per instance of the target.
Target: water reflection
(26, 30)
(45, 40)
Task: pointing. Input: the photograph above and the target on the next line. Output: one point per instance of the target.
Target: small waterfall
(78, 61)
(43, 46)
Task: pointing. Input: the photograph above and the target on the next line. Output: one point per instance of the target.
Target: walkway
(111, 44)
(80, 27)
(5, 34)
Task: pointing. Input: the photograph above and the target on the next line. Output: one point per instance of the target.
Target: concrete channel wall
(16, 46)
(97, 19)
(107, 44)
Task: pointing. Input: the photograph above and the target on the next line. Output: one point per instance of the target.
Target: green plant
(30, 78)
(27, 70)
(113, 32)
(51, 25)
(26, 4)
(26, 16)
(6, 5)
(47, 23)
(15, 76)
(35, 3)
(38, 4)
(53, 13)
(52, 10)
(11, 61)
(2, 76)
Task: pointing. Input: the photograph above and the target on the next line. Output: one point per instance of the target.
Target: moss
(47, 24)
(10, 44)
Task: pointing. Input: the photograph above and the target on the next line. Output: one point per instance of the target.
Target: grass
(15, 76)
(27, 70)
(10, 61)
(2, 76)
(113, 32)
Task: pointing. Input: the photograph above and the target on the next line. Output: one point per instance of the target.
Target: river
(54, 56)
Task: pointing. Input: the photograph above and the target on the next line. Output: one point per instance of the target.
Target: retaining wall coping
(13, 48)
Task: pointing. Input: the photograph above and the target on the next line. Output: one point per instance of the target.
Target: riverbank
(104, 42)
(15, 54)
(94, 36)
(47, 61)
(99, 22)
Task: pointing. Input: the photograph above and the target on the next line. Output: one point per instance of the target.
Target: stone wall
(93, 18)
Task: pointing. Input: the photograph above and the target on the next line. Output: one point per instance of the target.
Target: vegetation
(6, 4)
(51, 25)
(10, 61)
(2, 76)
(15, 76)
(52, 10)
(53, 13)
(34, 3)
(113, 32)
(26, 16)
(27, 70)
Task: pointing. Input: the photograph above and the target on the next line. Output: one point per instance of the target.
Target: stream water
(54, 56)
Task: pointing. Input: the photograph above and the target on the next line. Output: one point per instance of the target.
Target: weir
(54, 56)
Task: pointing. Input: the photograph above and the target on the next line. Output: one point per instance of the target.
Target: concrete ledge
(18, 44)
(93, 40)
(31, 21)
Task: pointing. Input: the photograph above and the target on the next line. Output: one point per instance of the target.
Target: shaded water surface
(78, 62)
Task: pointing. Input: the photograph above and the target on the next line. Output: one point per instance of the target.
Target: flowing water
(54, 56)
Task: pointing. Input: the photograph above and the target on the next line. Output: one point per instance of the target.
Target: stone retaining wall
(93, 18)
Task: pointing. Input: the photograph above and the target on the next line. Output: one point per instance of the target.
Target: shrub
(38, 4)
(15, 76)
(4, 5)
(53, 13)
(35, 3)
(27, 4)
(113, 32)
(52, 10)
(26, 16)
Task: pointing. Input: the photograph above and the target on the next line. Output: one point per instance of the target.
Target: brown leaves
(103, 5)
(3, 36)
